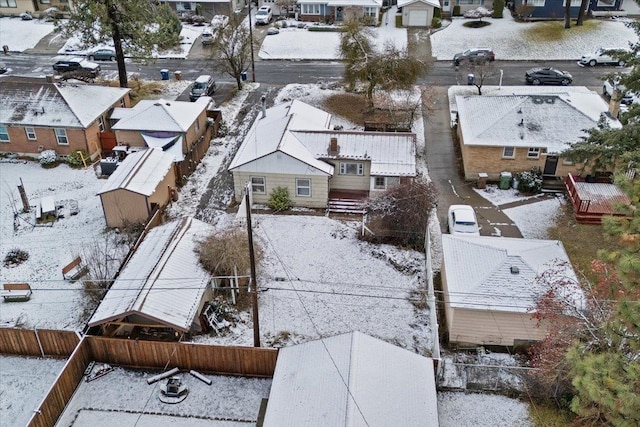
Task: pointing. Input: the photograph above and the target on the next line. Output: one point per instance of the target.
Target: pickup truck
(76, 65)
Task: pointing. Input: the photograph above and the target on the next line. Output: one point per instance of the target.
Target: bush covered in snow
(531, 181)
(48, 158)
(15, 257)
(279, 199)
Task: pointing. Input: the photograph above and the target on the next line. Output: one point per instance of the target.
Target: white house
(417, 13)
(490, 287)
(292, 145)
(351, 380)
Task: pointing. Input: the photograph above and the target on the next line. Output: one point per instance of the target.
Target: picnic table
(16, 292)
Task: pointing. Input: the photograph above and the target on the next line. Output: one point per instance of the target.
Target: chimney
(333, 145)
(49, 78)
(264, 106)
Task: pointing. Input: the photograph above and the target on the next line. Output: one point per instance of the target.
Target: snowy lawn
(299, 43)
(535, 219)
(122, 396)
(22, 35)
(468, 409)
(516, 41)
(24, 382)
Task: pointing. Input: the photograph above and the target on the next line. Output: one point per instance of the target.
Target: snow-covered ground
(22, 35)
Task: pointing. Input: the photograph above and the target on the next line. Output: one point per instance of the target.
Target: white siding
(350, 182)
(319, 188)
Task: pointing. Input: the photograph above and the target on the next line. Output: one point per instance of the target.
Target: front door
(550, 165)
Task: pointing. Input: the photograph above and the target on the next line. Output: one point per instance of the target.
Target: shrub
(223, 253)
(436, 22)
(279, 199)
(437, 13)
(48, 158)
(15, 257)
(498, 8)
(530, 181)
(456, 10)
(75, 158)
(401, 215)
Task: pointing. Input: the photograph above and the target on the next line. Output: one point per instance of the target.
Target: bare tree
(286, 6)
(232, 44)
(481, 69)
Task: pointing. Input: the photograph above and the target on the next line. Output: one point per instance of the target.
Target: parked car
(600, 57)
(102, 54)
(207, 37)
(462, 220)
(76, 64)
(548, 76)
(203, 86)
(273, 31)
(3, 68)
(264, 15)
(474, 55)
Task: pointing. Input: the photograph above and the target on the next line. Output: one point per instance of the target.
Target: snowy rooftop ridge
(349, 380)
(479, 271)
(163, 281)
(29, 101)
(140, 172)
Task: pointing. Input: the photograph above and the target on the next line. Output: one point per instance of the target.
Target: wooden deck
(593, 200)
(347, 202)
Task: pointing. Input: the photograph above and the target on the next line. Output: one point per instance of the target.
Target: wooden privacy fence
(247, 361)
(38, 342)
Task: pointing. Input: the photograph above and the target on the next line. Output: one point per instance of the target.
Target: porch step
(348, 206)
(553, 185)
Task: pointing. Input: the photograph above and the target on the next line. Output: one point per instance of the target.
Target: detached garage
(417, 13)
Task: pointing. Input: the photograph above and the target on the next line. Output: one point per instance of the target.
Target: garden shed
(418, 13)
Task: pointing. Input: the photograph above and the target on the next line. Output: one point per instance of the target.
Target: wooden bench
(74, 270)
(16, 292)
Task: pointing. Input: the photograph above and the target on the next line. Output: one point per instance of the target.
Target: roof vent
(538, 100)
(515, 270)
(157, 104)
(520, 111)
(167, 104)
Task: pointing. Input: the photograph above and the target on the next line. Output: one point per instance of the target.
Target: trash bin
(243, 76)
(505, 180)
(5, 49)
(482, 180)
(178, 75)
(470, 79)
(516, 182)
(165, 74)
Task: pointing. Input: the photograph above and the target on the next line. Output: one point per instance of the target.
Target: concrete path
(444, 167)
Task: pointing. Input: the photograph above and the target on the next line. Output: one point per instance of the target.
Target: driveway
(443, 170)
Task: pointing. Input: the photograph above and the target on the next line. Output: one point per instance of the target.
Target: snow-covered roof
(434, 3)
(29, 101)
(302, 131)
(159, 115)
(479, 273)
(140, 172)
(391, 154)
(163, 281)
(169, 144)
(351, 380)
(552, 120)
(272, 132)
(357, 3)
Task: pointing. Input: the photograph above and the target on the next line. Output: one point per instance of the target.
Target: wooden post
(23, 196)
(252, 259)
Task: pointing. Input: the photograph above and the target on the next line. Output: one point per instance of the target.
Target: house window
(61, 136)
(469, 2)
(351, 168)
(8, 3)
(31, 134)
(122, 102)
(258, 185)
(45, 1)
(380, 183)
(509, 152)
(533, 153)
(101, 124)
(574, 3)
(311, 9)
(4, 134)
(536, 3)
(370, 11)
(303, 187)
(567, 161)
(446, 3)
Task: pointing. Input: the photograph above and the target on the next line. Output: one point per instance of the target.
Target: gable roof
(543, 120)
(351, 380)
(159, 115)
(30, 101)
(478, 271)
(163, 281)
(434, 3)
(302, 132)
(140, 172)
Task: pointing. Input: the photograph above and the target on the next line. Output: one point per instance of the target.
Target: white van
(203, 86)
(207, 36)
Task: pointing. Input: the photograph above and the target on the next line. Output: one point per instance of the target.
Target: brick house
(38, 114)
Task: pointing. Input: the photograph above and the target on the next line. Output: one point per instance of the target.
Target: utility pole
(253, 66)
(252, 260)
(23, 196)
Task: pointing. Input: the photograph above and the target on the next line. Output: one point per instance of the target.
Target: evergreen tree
(133, 26)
